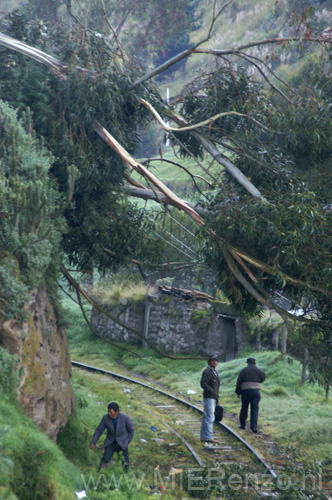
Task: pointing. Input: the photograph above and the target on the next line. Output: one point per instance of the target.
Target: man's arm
(238, 384)
(263, 375)
(205, 382)
(130, 429)
(98, 432)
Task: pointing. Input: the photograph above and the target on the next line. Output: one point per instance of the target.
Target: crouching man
(119, 433)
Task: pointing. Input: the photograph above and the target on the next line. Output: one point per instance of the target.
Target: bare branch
(181, 55)
(148, 194)
(264, 299)
(188, 127)
(246, 58)
(251, 158)
(132, 163)
(193, 176)
(225, 162)
(225, 52)
(240, 254)
(214, 152)
(37, 55)
(204, 122)
(206, 170)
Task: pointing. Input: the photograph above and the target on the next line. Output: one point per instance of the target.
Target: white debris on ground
(81, 494)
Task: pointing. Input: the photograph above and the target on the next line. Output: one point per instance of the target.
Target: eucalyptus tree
(265, 229)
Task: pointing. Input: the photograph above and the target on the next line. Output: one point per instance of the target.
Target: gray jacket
(124, 431)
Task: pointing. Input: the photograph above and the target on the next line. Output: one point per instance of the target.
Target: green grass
(31, 465)
(120, 293)
(177, 178)
(146, 455)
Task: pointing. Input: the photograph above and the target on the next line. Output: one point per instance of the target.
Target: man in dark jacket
(248, 386)
(210, 383)
(120, 432)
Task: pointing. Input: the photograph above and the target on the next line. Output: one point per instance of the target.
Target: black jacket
(210, 383)
(250, 377)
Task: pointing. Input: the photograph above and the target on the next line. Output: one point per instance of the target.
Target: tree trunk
(327, 390)
(89, 281)
(283, 346)
(258, 339)
(304, 366)
(275, 339)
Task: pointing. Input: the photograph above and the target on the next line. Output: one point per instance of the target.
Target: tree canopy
(266, 223)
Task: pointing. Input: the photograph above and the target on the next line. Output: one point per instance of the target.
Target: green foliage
(108, 292)
(13, 291)
(64, 113)
(31, 224)
(9, 378)
(31, 465)
(309, 140)
(319, 345)
(75, 438)
(290, 233)
(200, 314)
(279, 392)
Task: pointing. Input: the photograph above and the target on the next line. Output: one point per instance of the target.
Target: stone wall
(41, 346)
(178, 324)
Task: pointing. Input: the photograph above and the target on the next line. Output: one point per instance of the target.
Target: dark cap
(251, 360)
(213, 356)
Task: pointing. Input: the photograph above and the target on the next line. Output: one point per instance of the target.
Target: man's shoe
(254, 430)
(242, 427)
(102, 465)
(213, 441)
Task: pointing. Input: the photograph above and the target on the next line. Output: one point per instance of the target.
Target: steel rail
(188, 445)
(184, 402)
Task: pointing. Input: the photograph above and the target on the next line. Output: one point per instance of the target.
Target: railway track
(183, 419)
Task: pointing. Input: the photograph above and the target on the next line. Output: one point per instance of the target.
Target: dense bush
(31, 224)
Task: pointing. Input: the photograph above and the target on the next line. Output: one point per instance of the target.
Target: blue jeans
(208, 419)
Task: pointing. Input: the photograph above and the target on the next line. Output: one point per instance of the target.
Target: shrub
(279, 391)
(9, 377)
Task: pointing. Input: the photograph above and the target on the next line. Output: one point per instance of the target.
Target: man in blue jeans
(248, 387)
(210, 384)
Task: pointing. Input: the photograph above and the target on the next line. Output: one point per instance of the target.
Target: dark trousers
(252, 397)
(110, 449)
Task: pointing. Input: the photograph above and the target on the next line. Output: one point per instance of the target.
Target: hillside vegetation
(247, 21)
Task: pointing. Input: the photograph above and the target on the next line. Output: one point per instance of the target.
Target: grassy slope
(241, 23)
(31, 465)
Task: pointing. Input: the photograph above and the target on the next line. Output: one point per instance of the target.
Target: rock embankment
(40, 344)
